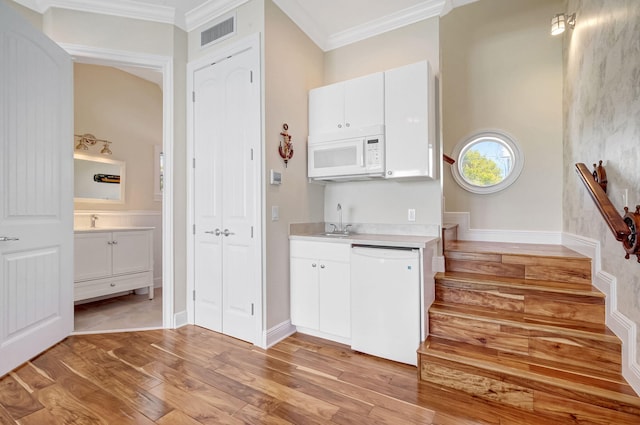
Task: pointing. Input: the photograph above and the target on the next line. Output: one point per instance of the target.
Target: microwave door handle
(364, 152)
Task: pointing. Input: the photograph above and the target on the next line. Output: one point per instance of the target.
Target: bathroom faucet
(93, 220)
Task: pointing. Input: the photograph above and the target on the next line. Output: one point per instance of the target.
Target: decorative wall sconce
(86, 140)
(286, 147)
(560, 22)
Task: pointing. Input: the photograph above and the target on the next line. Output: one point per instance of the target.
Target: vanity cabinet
(410, 148)
(320, 287)
(339, 110)
(108, 262)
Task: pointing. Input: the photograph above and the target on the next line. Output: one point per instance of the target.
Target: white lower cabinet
(108, 262)
(320, 287)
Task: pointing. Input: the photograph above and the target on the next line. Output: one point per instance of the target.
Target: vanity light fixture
(86, 140)
(560, 22)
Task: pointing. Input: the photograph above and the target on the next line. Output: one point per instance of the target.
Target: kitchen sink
(336, 234)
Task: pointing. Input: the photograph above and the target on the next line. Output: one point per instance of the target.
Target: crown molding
(208, 11)
(306, 23)
(124, 9)
(410, 15)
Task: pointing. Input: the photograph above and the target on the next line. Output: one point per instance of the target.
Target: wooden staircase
(520, 326)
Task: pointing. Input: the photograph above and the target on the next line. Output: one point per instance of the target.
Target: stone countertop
(109, 229)
(405, 241)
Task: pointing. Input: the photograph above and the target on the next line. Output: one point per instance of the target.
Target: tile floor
(125, 312)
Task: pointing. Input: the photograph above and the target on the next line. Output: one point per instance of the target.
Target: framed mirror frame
(105, 167)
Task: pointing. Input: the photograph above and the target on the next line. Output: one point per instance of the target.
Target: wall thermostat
(276, 178)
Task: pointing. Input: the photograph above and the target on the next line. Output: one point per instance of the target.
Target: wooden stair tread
(478, 279)
(514, 363)
(519, 369)
(536, 250)
(559, 326)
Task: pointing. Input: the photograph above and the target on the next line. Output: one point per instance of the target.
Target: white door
(36, 195)
(226, 198)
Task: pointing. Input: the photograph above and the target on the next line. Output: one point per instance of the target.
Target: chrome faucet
(93, 220)
(339, 217)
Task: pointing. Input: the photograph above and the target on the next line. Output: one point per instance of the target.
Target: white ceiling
(329, 23)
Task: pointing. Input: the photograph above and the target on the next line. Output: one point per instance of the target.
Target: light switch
(275, 213)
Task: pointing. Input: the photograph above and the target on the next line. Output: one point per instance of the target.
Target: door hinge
(252, 154)
(193, 163)
(194, 229)
(194, 295)
(251, 76)
(252, 232)
(252, 309)
(193, 96)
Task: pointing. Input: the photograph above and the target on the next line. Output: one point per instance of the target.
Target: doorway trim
(247, 42)
(164, 64)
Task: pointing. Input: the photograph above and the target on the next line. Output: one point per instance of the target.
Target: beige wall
(602, 122)
(385, 201)
(293, 65)
(127, 111)
(501, 69)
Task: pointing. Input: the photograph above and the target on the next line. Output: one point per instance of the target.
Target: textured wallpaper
(602, 122)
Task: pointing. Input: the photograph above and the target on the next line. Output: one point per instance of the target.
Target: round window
(487, 162)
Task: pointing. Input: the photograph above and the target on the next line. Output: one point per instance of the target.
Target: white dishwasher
(385, 302)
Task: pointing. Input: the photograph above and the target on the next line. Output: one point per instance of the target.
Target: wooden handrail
(611, 216)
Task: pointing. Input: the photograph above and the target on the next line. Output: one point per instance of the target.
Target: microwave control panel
(373, 153)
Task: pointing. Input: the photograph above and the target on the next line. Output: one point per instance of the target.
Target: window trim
(500, 137)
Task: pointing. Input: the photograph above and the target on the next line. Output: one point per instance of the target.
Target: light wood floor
(124, 312)
(194, 376)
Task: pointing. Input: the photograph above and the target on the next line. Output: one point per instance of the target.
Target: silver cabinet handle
(112, 285)
(322, 266)
(216, 232)
(115, 242)
(313, 265)
(348, 124)
(227, 232)
(8, 238)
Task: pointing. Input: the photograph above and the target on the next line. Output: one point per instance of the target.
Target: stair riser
(562, 306)
(566, 348)
(545, 398)
(524, 267)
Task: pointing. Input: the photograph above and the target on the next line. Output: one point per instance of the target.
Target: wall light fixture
(86, 140)
(561, 21)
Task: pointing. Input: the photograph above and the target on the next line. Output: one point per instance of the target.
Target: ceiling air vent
(223, 29)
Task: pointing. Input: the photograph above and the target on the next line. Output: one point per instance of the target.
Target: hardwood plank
(177, 417)
(254, 416)
(17, 401)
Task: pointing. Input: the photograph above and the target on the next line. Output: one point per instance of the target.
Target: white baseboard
(621, 325)
(180, 319)
(279, 332)
(465, 233)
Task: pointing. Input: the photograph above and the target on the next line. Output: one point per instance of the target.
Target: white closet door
(227, 136)
(36, 199)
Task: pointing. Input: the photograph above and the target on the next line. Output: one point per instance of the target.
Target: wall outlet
(411, 215)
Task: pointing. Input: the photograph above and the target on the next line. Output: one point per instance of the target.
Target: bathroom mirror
(98, 179)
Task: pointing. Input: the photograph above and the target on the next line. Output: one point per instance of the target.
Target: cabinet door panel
(364, 101)
(92, 256)
(326, 109)
(304, 293)
(335, 298)
(131, 252)
(409, 120)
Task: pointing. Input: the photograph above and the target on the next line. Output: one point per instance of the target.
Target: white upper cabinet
(410, 122)
(346, 109)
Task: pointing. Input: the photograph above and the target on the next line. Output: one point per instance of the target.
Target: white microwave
(358, 157)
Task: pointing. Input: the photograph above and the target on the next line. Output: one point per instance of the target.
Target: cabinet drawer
(324, 250)
(100, 287)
